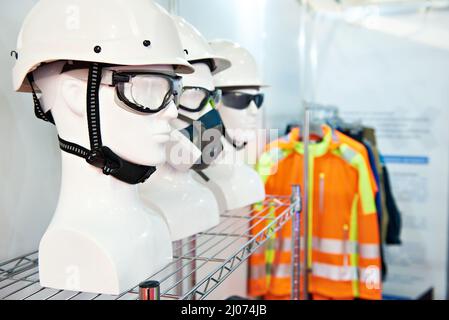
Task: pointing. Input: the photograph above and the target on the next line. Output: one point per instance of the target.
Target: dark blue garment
(394, 215)
(372, 161)
(358, 136)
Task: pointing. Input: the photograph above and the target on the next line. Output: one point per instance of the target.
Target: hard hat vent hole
(147, 43)
(14, 54)
(97, 49)
(186, 51)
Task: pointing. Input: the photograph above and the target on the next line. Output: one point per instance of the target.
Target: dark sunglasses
(241, 100)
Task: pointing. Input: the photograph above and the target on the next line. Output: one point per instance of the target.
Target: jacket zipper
(345, 245)
(321, 193)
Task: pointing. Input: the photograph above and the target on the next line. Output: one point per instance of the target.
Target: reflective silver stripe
(286, 244)
(282, 270)
(369, 251)
(257, 272)
(283, 244)
(277, 244)
(335, 273)
(348, 154)
(334, 246)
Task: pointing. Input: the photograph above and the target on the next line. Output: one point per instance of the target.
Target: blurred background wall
(389, 69)
(270, 30)
(29, 156)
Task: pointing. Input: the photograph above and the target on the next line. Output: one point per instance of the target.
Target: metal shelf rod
(221, 230)
(211, 247)
(267, 229)
(200, 259)
(17, 272)
(34, 293)
(193, 254)
(248, 214)
(18, 280)
(18, 290)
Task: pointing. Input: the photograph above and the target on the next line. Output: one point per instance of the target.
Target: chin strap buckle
(149, 172)
(98, 159)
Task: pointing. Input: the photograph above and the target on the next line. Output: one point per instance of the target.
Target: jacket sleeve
(366, 232)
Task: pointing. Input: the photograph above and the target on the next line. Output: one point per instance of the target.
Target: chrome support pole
(178, 252)
(306, 140)
(296, 241)
(192, 249)
(149, 290)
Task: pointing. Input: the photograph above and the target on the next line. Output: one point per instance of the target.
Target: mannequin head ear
(47, 80)
(73, 91)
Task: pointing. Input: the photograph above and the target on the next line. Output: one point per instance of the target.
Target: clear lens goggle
(194, 99)
(145, 92)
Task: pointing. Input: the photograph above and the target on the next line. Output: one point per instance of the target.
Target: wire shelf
(200, 264)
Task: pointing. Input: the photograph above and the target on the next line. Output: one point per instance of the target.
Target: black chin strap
(110, 163)
(38, 110)
(99, 156)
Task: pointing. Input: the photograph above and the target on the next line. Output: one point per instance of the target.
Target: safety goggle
(145, 92)
(241, 100)
(194, 99)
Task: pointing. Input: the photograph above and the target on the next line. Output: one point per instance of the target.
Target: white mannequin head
(135, 137)
(196, 209)
(243, 76)
(94, 199)
(241, 125)
(202, 77)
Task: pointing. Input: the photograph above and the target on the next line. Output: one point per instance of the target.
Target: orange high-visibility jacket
(343, 241)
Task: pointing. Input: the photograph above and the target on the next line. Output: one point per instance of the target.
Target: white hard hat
(197, 47)
(132, 32)
(243, 72)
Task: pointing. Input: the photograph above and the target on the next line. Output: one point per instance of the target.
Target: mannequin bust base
(104, 242)
(194, 208)
(234, 183)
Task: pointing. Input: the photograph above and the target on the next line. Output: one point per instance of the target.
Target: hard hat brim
(245, 85)
(24, 66)
(221, 64)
